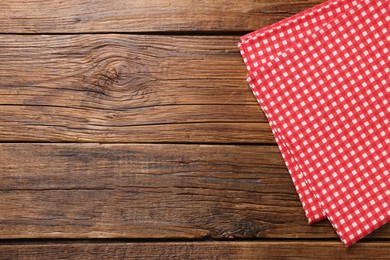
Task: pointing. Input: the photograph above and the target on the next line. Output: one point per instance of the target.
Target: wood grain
(70, 72)
(150, 191)
(85, 16)
(118, 88)
(198, 250)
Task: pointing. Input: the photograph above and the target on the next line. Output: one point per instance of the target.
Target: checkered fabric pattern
(322, 77)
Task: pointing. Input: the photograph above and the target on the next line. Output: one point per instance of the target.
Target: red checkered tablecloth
(322, 77)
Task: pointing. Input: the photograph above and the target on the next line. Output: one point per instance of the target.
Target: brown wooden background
(127, 130)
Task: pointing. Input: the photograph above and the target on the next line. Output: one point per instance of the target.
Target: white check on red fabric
(322, 77)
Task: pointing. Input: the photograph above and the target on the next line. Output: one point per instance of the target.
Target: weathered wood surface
(118, 88)
(150, 191)
(197, 250)
(62, 82)
(85, 16)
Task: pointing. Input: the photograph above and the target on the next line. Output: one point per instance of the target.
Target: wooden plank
(81, 16)
(116, 70)
(150, 191)
(119, 88)
(198, 250)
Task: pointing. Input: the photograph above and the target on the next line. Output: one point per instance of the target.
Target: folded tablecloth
(322, 77)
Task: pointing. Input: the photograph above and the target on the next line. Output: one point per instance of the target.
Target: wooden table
(128, 131)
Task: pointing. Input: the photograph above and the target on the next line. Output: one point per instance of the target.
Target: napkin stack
(322, 78)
